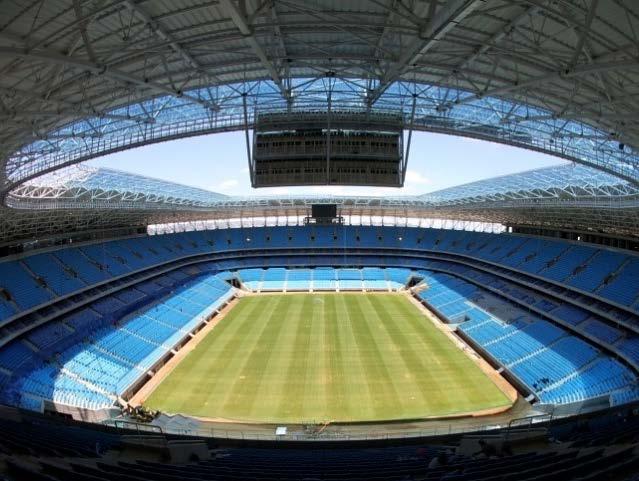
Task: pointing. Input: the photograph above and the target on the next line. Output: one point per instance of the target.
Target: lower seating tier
(324, 278)
(557, 366)
(86, 360)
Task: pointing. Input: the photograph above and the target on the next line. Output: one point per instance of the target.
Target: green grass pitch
(306, 358)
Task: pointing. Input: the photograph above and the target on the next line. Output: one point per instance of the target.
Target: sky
(218, 163)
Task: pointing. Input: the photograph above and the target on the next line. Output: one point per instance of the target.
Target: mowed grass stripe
(376, 368)
(273, 394)
(455, 373)
(317, 375)
(419, 389)
(458, 374)
(321, 357)
(294, 376)
(242, 396)
(198, 375)
(360, 388)
(413, 379)
(227, 364)
(336, 398)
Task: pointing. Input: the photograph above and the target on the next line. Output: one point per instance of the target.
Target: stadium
(151, 329)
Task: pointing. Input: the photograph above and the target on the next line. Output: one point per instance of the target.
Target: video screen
(324, 210)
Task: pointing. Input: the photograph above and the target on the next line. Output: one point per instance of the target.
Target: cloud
(266, 191)
(273, 191)
(386, 191)
(414, 177)
(227, 184)
(329, 189)
(236, 185)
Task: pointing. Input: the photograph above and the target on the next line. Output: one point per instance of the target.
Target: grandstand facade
(83, 326)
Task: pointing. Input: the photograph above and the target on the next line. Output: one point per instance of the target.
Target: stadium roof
(573, 196)
(79, 79)
(83, 187)
(567, 182)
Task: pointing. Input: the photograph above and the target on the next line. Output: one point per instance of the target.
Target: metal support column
(410, 137)
(328, 133)
(251, 162)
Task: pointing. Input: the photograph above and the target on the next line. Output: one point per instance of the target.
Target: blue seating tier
(601, 378)
(58, 279)
(87, 362)
(556, 366)
(38, 279)
(116, 345)
(323, 278)
(23, 288)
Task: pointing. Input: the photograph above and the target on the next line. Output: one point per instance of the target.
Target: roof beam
(579, 70)
(392, 11)
(51, 56)
(83, 30)
(246, 30)
(436, 27)
(157, 29)
(68, 108)
(280, 36)
(57, 114)
(572, 115)
(165, 36)
(492, 41)
(584, 33)
(499, 35)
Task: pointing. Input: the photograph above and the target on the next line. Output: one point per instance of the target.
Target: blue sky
(218, 163)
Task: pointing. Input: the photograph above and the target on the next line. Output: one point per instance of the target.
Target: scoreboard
(324, 211)
(324, 214)
(327, 148)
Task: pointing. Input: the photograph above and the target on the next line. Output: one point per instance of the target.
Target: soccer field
(306, 358)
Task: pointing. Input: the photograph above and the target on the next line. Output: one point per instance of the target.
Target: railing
(134, 426)
(317, 433)
(312, 436)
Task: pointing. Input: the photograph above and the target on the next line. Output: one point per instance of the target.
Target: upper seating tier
(39, 278)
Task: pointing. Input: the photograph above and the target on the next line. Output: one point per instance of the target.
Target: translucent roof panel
(559, 182)
(436, 109)
(81, 184)
(78, 198)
